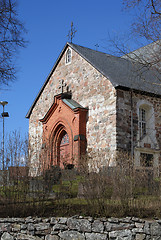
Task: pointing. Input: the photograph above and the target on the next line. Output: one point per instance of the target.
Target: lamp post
(4, 114)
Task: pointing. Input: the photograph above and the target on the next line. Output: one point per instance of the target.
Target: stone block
(5, 227)
(42, 226)
(155, 229)
(139, 225)
(122, 234)
(23, 226)
(71, 235)
(147, 227)
(16, 227)
(96, 236)
(21, 236)
(6, 236)
(58, 227)
(51, 237)
(62, 220)
(29, 220)
(97, 226)
(81, 225)
(53, 221)
(140, 236)
(30, 227)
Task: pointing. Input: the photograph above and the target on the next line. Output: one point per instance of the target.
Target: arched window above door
(63, 147)
(65, 139)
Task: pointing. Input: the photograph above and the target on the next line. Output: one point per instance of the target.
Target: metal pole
(3, 143)
(3, 103)
(132, 127)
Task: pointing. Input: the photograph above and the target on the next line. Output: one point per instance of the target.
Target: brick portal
(64, 133)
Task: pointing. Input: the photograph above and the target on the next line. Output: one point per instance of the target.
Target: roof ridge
(119, 71)
(70, 44)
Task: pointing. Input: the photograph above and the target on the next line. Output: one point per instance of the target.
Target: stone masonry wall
(79, 228)
(151, 143)
(124, 117)
(90, 89)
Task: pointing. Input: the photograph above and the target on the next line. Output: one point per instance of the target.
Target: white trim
(144, 102)
(68, 62)
(150, 136)
(156, 155)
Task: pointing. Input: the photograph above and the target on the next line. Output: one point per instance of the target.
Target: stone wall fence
(79, 228)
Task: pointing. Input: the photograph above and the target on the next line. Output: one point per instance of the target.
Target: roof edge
(138, 91)
(93, 65)
(46, 81)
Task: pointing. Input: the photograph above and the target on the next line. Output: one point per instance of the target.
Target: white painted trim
(156, 154)
(150, 136)
(66, 63)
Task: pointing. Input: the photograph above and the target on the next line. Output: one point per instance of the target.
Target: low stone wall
(79, 228)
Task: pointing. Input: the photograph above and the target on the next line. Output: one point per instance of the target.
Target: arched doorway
(61, 147)
(64, 132)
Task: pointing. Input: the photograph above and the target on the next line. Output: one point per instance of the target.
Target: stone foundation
(79, 228)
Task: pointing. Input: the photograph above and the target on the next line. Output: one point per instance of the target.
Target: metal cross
(62, 85)
(71, 33)
(97, 46)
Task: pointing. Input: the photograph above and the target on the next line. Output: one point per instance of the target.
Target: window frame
(68, 56)
(144, 161)
(142, 122)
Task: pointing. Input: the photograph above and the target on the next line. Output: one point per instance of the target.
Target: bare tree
(11, 40)
(145, 30)
(16, 146)
(147, 23)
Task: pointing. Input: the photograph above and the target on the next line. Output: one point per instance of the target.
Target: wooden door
(64, 150)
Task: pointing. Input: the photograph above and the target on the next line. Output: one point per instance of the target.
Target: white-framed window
(146, 122)
(147, 149)
(142, 122)
(146, 159)
(68, 57)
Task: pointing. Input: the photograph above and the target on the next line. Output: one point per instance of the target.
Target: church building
(96, 104)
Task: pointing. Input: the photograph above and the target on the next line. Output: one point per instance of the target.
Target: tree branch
(154, 8)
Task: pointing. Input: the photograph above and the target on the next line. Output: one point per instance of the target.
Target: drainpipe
(132, 126)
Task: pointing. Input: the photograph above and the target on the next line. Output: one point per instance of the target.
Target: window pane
(65, 139)
(142, 122)
(68, 56)
(146, 160)
(143, 114)
(143, 129)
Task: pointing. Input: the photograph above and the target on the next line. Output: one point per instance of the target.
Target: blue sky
(48, 23)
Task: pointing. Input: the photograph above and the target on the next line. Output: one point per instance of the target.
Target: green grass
(66, 203)
(69, 187)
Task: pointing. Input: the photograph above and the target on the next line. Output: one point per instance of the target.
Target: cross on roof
(71, 33)
(96, 45)
(62, 85)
